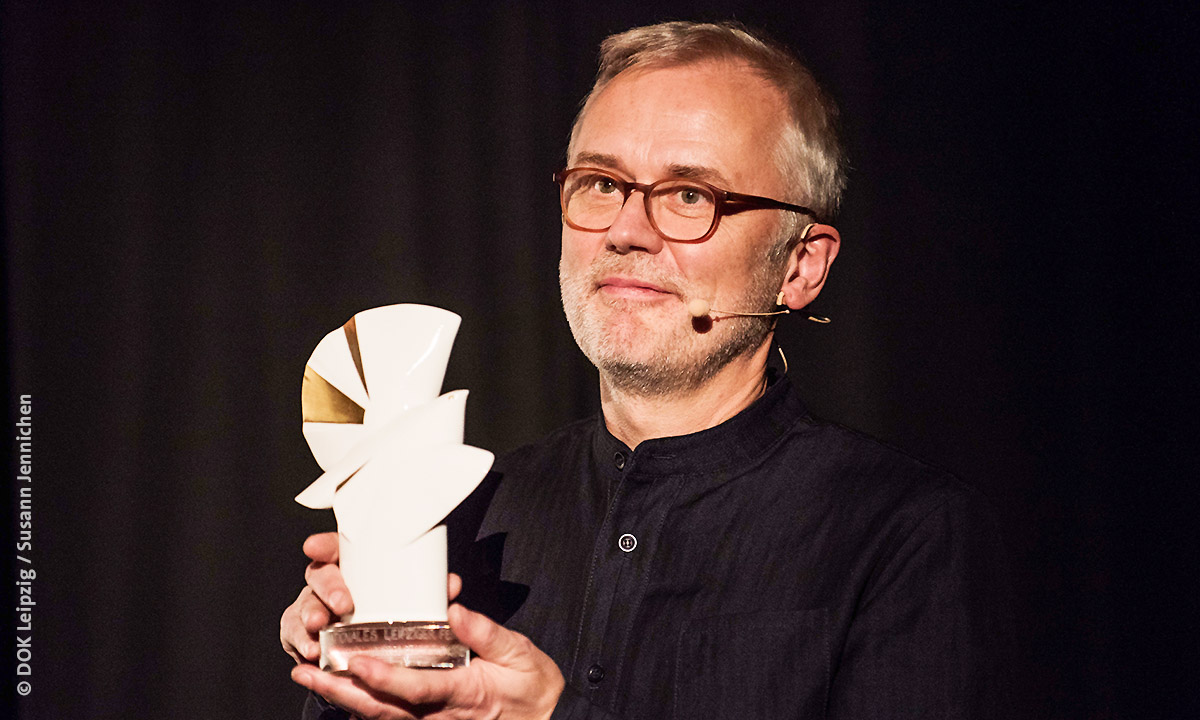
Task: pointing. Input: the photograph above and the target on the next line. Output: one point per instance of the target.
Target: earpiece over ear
(812, 252)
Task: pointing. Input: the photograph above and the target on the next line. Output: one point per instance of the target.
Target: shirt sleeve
(317, 708)
(932, 636)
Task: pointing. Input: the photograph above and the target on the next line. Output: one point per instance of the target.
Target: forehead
(719, 117)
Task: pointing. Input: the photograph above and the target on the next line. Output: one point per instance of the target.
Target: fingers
(417, 687)
(532, 683)
(322, 547)
(347, 693)
(510, 678)
(314, 615)
(325, 577)
(488, 640)
(297, 638)
(327, 584)
(324, 600)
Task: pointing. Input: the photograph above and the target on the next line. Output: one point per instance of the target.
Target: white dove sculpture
(393, 455)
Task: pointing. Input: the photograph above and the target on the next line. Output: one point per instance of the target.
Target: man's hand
(508, 679)
(322, 600)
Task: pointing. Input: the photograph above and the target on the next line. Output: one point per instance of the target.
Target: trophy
(394, 465)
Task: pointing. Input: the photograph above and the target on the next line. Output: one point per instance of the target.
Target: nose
(632, 231)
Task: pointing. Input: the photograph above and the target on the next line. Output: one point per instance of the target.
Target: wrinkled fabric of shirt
(774, 566)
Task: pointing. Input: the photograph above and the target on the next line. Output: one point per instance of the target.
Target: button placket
(618, 579)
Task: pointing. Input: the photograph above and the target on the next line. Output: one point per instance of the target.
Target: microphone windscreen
(698, 307)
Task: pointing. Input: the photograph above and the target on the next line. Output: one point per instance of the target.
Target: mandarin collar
(736, 443)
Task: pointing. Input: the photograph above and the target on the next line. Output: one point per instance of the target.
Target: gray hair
(809, 155)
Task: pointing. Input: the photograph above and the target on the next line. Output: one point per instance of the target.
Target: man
(704, 548)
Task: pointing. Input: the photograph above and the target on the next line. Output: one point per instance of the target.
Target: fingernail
(339, 601)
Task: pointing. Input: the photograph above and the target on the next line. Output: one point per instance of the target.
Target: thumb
(488, 640)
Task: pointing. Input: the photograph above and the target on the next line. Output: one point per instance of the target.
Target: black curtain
(195, 193)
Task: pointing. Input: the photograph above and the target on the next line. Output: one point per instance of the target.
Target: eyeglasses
(679, 209)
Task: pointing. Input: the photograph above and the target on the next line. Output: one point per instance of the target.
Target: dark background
(195, 193)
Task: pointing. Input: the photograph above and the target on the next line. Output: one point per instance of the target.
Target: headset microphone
(698, 308)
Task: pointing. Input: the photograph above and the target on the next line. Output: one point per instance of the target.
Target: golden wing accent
(322, 402)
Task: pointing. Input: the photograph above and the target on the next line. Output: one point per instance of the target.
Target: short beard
(678, 363)
(663, 374)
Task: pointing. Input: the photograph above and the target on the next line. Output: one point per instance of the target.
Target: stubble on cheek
(607, 327)
(649, 349)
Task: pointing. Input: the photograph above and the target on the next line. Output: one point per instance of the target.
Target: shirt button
(619, 460)
(627, 542)
(595, 674)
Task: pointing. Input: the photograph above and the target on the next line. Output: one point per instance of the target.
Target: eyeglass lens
(679, 209)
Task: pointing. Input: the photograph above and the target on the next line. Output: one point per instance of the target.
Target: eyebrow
(674, 170)
(601, 160)
(698, 172)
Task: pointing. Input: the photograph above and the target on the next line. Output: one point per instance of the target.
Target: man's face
(626, 290)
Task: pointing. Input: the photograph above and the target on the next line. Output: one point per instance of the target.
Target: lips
(627, 282)
(629, 287)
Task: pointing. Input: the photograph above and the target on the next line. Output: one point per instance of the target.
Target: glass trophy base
(414, 644)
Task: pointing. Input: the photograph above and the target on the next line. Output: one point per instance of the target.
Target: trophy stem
(414, 644)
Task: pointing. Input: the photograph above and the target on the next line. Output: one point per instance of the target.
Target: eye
(685, 197)
(604, 185)
(595, 184)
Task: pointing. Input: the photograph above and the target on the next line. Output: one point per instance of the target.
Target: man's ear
(808, 264)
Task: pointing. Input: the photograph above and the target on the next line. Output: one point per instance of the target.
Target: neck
(633, 418)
